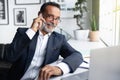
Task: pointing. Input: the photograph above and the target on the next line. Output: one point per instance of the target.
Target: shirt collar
(40, 33)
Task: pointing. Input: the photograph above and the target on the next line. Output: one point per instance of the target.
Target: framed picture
(66, 7)
(27, 2)
(4, 19)
(20, 17)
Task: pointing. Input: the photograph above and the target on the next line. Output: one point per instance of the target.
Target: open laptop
(105, 64)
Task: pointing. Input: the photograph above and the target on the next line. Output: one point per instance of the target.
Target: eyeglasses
(51, 18)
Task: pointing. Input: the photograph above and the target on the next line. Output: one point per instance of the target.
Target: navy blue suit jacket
(21, 51)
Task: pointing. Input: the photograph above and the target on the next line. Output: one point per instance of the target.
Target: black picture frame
(27, 2)
(20, 17)
(4, 17)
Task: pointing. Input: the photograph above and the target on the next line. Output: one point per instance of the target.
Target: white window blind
(110, 21)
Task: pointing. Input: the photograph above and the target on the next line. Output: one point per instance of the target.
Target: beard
(46, 29)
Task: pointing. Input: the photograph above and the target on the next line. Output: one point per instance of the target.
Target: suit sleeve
(13, 51)
(71, 57)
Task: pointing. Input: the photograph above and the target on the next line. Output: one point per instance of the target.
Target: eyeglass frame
(51, 17)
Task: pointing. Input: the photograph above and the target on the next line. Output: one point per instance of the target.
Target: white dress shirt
(34, 68)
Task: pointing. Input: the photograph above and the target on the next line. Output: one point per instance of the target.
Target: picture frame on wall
(66, 7)
(27, 2)
(20, 18)
(4, 17)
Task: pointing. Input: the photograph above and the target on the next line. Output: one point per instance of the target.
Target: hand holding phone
(37, 23)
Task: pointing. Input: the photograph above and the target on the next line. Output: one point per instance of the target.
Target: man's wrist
(60, 71)
(64, 67)
(34, 29)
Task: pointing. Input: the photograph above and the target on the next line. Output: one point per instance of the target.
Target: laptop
(105, 64)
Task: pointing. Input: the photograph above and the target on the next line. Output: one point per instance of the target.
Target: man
(33, 49)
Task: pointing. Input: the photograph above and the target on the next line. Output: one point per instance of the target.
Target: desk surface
(84, 46)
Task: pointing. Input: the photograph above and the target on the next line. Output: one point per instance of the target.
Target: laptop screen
(105, 64)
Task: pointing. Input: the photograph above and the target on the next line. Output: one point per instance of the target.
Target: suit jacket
(21, 51)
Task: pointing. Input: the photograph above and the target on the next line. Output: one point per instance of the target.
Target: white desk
(84, 46)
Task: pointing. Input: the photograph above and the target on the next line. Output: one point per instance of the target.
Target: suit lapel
(49, 48)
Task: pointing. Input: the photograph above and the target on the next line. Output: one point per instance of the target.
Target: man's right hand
(47, 71)
(37, 23)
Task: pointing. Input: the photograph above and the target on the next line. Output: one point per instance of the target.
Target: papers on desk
(85, 64)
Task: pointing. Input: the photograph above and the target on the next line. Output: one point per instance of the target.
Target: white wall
(7, 32)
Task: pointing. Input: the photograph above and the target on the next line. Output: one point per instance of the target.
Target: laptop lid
(105, 64)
